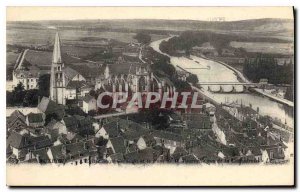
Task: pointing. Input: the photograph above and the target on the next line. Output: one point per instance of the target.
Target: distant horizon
(266, 18)
(146, 13)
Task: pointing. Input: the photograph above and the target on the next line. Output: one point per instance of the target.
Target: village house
(116, 145)
(109, 130)
(74, 153)
(115, 158)
(89, 103)
(21, 145)
(35, 119)
(146, 141)
(77, 124)
(190, 158)
(39, 156)
(178, 153)
(51, 109)
(168, 139)
(16, 121)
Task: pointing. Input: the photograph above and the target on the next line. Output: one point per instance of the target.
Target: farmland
(265, 47)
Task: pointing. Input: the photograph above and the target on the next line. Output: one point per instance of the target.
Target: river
(211, 71)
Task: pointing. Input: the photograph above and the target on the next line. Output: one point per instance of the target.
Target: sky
(173, 13)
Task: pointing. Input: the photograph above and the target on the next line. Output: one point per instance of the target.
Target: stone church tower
(57, 81)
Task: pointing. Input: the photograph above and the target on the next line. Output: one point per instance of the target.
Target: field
(11, 58)
(45, 35)
(265, 47)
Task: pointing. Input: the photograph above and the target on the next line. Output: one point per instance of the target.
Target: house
(51, 109)
(256, 152)
(168, 139)
(177, 153)
(55, 128)
(35, 119)
(71, 124)
(147, 155)
(40, 155)
(202, 124)
(132, 131)
(275, 149)
(109, 130)
(146, 141)
(28, 68)
(73, 153)
(78, 124)
(163, 154)
(22, 144)
(16, 121)
(206, 154)
(117, 145)
(57, 125)
(89, 103)
(115, 158)
(190, 158)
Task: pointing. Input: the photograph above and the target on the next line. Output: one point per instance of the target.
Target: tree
(31, 98)
(192, 78)
(44, 85)
(18, 94)
(143, 37)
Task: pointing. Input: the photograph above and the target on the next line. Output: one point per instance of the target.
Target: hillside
(255, 25)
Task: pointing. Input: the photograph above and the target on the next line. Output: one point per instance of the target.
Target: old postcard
(150, 96)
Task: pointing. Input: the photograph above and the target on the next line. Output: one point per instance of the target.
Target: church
(68, 84)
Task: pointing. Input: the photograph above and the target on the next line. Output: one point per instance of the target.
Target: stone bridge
(227, 87)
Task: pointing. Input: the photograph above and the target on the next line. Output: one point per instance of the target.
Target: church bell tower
(57, 81)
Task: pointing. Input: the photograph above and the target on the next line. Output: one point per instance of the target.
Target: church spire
(56, 50)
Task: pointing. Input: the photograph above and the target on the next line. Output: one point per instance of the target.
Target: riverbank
(221, 72)
(280, 100)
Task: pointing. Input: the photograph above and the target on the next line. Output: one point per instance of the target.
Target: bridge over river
(227, 87)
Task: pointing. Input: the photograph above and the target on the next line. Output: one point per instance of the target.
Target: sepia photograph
(150, 96)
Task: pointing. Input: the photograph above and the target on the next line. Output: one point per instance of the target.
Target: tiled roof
(48, 106)
(70, 73)
(16, 120)
(87, 71)
(87, 98)
(179, 152)
(19, 141)
(16, 115)
(191, 158)
(118, 144)
(117, 157)
(35, 117)
(167, 136)
(42, 155)
(75, 84)
(112, 129)
(67, 152)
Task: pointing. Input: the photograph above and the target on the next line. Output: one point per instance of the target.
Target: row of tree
(265, 66)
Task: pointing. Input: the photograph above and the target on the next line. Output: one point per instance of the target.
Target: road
(280, 100)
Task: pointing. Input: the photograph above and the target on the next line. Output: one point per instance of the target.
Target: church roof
(70, 73)
(56, 58)
(48, 106)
